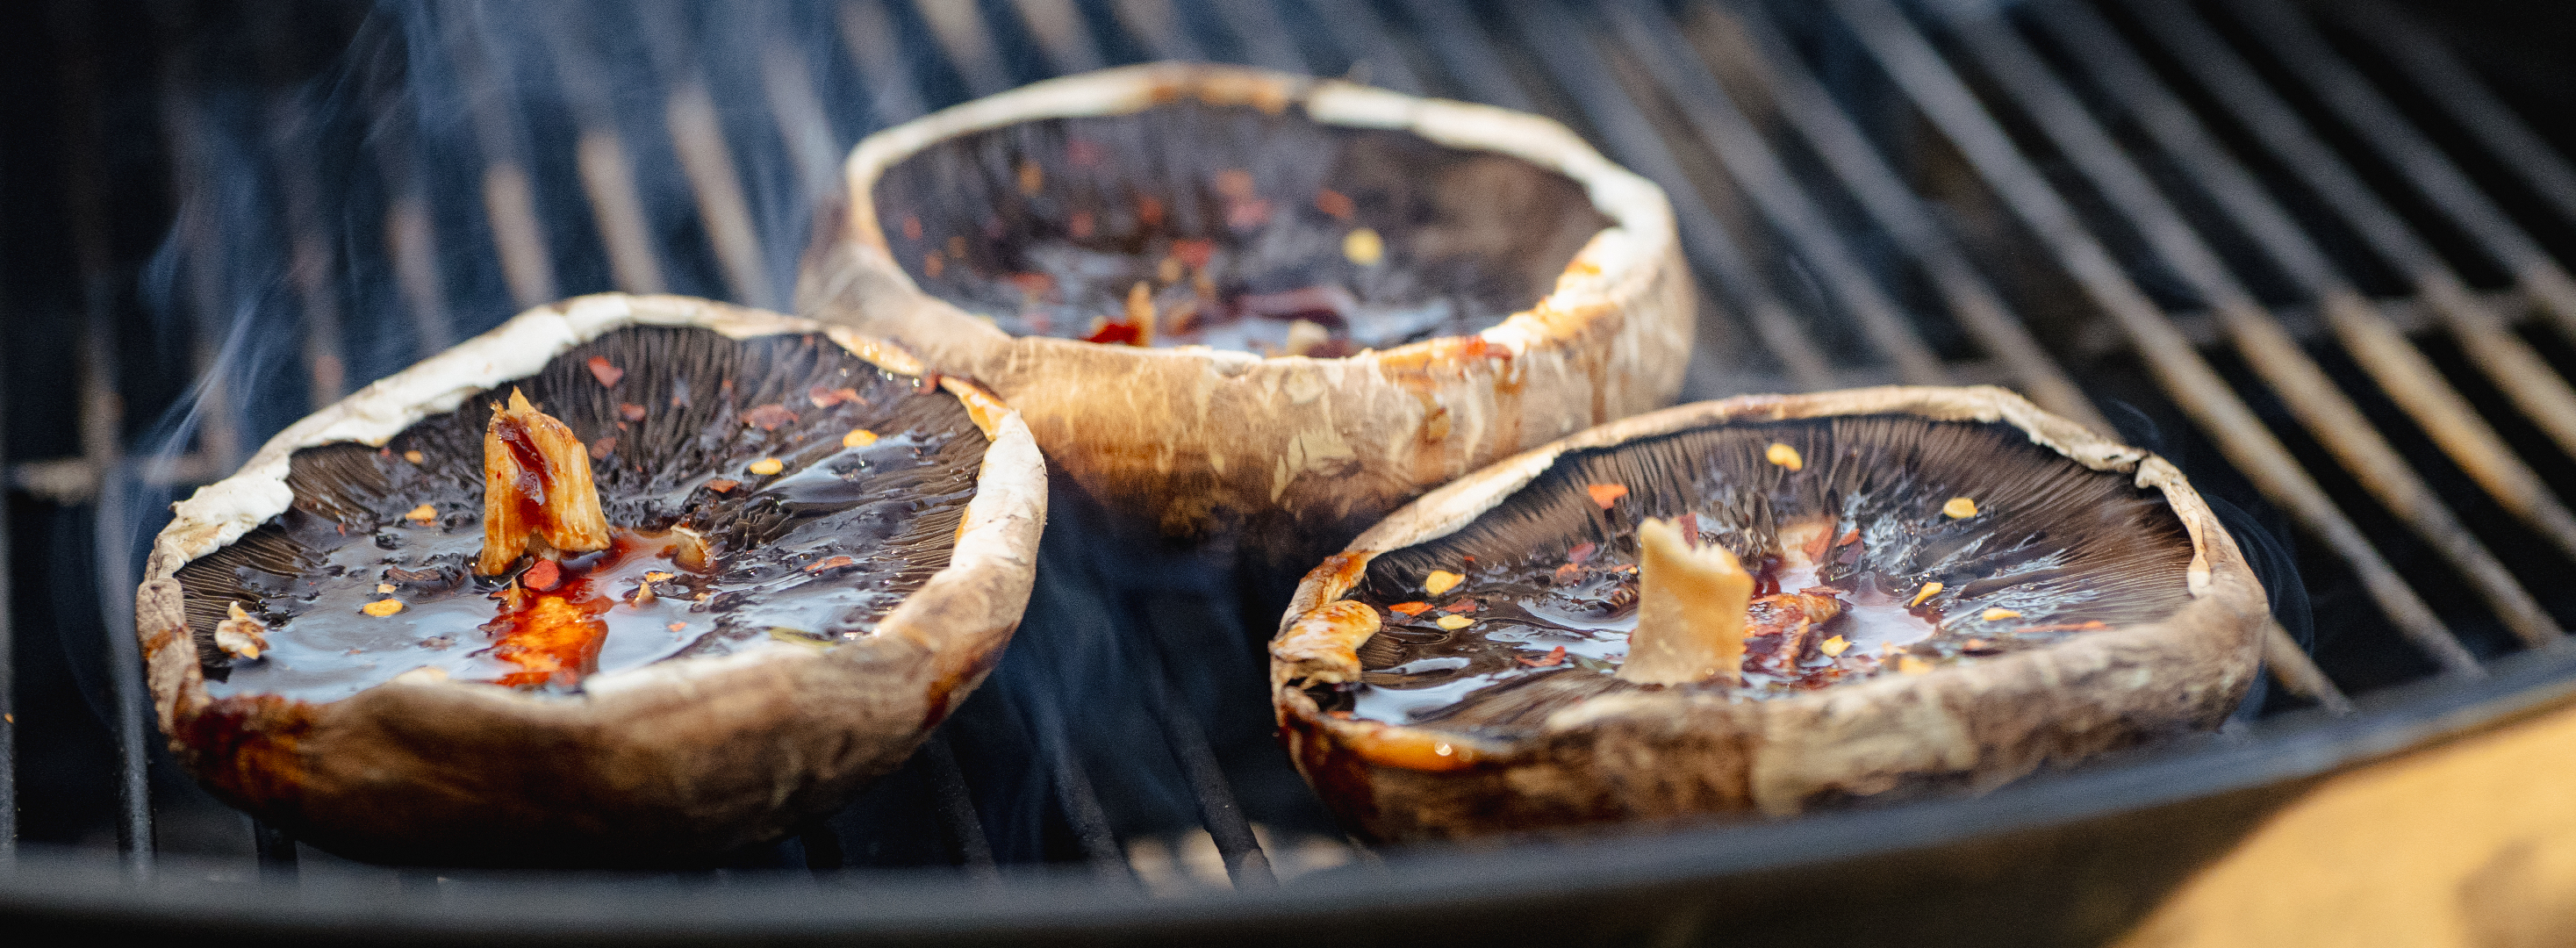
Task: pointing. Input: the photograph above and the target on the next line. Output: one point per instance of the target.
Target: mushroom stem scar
(1691, 606)
(536, 489)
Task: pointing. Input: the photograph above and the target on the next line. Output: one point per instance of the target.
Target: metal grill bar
(1263, 37)
(1075, 796)
(699, 140)
(1759, 174)
(2466, 100)
(2302, 384)
(1156, 25)
(2368, 334)
(957, 810)
(1369, 41)
(2431, 173)
(961, 32)
(1893, 43)
(867, 32)
(509, 202)
(1061, 33)
(607, 170)
(1631, 141)
(2482, 332)
(1801, 101)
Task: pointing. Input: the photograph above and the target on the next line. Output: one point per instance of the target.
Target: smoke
(361, 188)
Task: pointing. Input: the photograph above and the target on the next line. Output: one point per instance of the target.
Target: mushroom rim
(2219, 580)
(995, 538)
(1618, 262)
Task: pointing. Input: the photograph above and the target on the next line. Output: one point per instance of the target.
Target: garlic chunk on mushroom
(537, 491)
(1690, 610)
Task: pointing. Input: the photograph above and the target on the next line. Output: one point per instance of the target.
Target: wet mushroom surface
(768, 492)
(1874, 546)
(1246, 227)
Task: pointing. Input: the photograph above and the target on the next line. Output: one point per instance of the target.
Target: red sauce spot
(606, 372)
(769, 417)
(543, 576)
(1334, 203)
(1117, 334)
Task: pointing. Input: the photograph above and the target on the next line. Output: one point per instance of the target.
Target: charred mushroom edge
(1183, 435)
(672, 760)
(1663, 754)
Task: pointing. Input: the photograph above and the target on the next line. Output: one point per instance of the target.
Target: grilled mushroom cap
(2086, 600)
(1513, 286)
(853, 597)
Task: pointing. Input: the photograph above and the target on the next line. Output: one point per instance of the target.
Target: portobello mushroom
(1225, 297)
(1760, 606)
(627, 581)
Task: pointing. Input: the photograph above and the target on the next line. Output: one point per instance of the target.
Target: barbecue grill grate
(2322, 297)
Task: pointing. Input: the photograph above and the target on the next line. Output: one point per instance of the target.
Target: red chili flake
(603, 447)
(1606, 494)
(1079, 225)
(1193, 251)
(1582, 552)
(1470, 559)
(1334, 203)
(1409, 608)
(1555, 656)
(828, 397)
(633, 412)
(926, 384)
(932, 265)
(1032, 284)
(384, 452)
(543, 576)
(1234, 183)
(1149, 211)
(1084, 153)
(1463, 605)
(1247, 214)
(1338, 715)
(834, 563)
(723, 485)
(1848, 536)
(911, 227)
(1116, 334)
(1625, 568)
(1568, 574)
(769, 417)
(606, 372)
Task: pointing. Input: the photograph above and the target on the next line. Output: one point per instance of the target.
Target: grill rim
(2270, 759)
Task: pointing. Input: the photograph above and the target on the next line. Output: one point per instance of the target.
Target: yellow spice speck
(1783, 455)
(1912, 665)
(858, 438)
(1364, 247)
(1454, 621)
(1929, 590)
(385, 588)
(414, 457)
(1835, 647)
(1959, 508)
(767, 466)
(422, 514)
(382, 607)
(1999, 615)
(1441, 581)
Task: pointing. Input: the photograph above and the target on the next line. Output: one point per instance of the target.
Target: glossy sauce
(770, 594)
